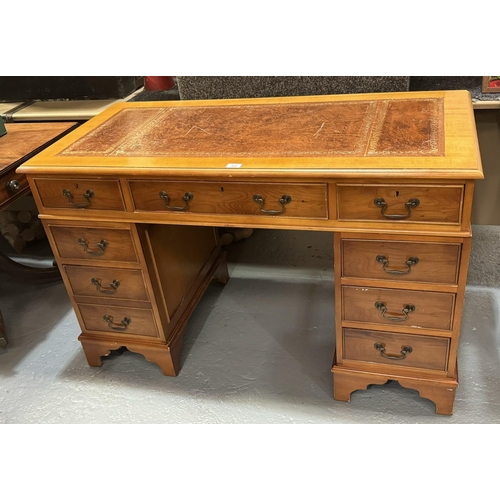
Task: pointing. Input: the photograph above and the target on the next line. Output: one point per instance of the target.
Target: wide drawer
(81, 194)
(232, 198)
(122, 320)
(406, 202)
(417, 351)
(127, 284)
(401, 260)
(408, 308)
(96, 243)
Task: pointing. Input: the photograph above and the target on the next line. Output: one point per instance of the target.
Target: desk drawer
(80, 194)
(405, 308)
(400, 202)
(12, 186)
(408, 261)
(94, 243)
(126, 284)
(417, 351)
(232, 198)
(120, 320)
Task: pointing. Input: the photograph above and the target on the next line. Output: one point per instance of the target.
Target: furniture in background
(130, 217)
(22, 141)
(30, 88)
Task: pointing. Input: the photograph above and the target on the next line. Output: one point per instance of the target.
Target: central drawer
(408, 308)
(231, 198)
(400, 349)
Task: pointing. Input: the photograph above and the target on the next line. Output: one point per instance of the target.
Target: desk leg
(440, 391)
(222, 273)
(167, 357)
(3, 339)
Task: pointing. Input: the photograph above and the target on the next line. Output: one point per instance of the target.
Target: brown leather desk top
(354, 128)
(421, 134)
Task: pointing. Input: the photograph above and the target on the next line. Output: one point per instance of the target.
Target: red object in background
(155, 83)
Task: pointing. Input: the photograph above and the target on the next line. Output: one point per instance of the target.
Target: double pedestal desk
(131, 202)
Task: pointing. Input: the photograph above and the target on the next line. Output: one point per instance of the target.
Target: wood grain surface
(307, 200)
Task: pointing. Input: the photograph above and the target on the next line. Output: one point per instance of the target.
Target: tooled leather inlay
(400, 127)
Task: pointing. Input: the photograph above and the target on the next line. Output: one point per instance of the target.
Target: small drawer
(12, 186)
(392, 203)
(126, 284)
(417, 351)
(408, 261)
(100, 244)
(80, 194)
(120, 320)
(405, 308)
(231, 198)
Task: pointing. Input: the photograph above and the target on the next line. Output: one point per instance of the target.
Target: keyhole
(222, 190)
(397, 194)
(76, 186)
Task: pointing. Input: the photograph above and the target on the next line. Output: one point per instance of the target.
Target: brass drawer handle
(103, 244)
(411, 203)
(409, 308)
(115, 326)
(382, 259)
(186, 198)
(113, 286)
(405, 349)
(282, 201)
(87, 195)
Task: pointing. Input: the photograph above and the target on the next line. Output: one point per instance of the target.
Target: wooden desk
(22, 141)
(131, 199)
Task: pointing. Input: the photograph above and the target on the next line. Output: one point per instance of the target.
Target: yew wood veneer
(132, 198)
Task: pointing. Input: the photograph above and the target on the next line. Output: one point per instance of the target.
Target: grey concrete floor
(257, 350)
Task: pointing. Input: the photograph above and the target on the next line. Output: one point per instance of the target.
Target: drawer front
(402, 260)
(127, 284)
(99, 244)
(392, 203)
(12, 186)
(408, 308)
(232, 198)
(417, 351)
(80, 194)
(121, 320)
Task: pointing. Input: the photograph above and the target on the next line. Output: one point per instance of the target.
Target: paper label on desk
(234, 165)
